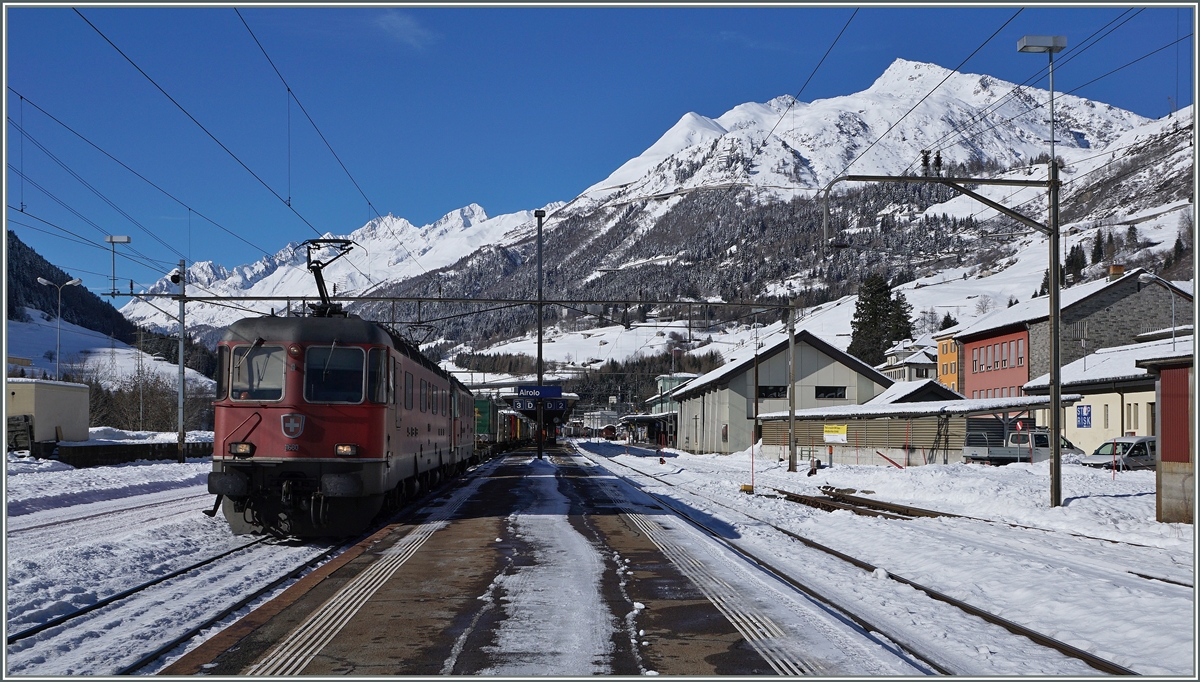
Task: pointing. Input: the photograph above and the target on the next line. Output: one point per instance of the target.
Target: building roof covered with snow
(932, 408)
(1037, 309)
(914, 391)
(1112, 365)
(745, 358)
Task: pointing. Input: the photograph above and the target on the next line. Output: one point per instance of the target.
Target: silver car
(1126, 452)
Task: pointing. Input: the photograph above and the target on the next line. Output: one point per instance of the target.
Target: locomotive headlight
(294, 350)
(241, 449)
(345, 449)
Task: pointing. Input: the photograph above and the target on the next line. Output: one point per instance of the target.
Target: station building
(718, 410)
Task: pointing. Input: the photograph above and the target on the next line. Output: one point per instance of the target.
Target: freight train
(324, 420)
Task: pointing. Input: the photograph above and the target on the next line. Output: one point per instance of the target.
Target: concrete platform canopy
(899, 434)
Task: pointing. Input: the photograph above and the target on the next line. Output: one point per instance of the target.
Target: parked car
(1126, 452)
(977, 448)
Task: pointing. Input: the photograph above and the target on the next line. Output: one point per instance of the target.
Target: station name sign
(539, 391)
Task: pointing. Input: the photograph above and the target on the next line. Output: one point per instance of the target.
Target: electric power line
(198, 124)
(1011, 95)
(292, 96)
(95, 191)
(139, 175)
(928, 94)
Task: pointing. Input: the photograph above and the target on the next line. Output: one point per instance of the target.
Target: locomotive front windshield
(333, 374)
(257, 372)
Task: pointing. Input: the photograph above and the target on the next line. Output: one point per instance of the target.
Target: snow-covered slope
(388, 249)
(783, 148)
(969, 117)
(85, 354)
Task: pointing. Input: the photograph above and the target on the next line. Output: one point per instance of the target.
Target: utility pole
(141, 378)
(541, 423)
(182, 276)
(791, 313)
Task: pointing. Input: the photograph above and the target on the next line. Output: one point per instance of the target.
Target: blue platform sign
(539, 391)
(1083, 416)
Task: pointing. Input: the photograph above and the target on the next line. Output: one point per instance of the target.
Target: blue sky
(431, 109)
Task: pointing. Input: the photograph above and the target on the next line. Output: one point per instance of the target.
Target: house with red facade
(1175, 468)
(1003, 350)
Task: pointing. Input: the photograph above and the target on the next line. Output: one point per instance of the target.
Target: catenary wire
(95, 191)
(77, 214)
(292, 96)
(139, 175)
(200, 125)
(941, 143)
(806, 82)
(928, 94)
(813, 199)
(1079, 87)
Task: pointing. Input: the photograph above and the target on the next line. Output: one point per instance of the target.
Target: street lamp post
(1150, 278)
(58, 337)
(1050, 45)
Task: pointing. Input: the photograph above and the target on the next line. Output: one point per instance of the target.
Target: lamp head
(1041, 44)
(74, 282)
(42, 280)
(1147, 278)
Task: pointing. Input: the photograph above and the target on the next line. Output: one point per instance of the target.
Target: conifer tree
(879, 320)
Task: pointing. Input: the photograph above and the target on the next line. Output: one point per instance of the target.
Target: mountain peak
(903, 71)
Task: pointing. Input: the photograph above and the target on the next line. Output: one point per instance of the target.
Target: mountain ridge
(654, 209)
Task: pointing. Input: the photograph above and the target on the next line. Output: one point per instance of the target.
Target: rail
(1096, 662)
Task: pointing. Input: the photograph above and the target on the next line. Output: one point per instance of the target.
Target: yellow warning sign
(835, 433)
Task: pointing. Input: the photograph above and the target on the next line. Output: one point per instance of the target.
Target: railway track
(147, 599)
(109, 513)
(914, 649)
(842, 500)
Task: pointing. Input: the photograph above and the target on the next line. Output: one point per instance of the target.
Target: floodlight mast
(1050, 45)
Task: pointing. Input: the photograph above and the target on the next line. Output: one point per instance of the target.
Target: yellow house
(949, 361)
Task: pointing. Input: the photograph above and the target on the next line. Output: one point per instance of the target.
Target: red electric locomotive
(322, 420)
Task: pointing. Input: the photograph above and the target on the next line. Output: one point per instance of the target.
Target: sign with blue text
(539, 391)
(1083, 416)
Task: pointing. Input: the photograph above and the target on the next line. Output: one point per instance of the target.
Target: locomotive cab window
(333, 374)
(257, 372)
(377, 379)
(408, 390)
(223, 372)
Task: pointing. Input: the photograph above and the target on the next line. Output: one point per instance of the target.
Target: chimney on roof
(1115, 271)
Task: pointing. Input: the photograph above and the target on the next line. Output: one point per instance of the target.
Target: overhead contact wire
(929, 94)
(292, 97)
(198, 124)
(140, 176)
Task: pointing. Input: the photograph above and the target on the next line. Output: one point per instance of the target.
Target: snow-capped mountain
(387, 249)
(786, 144)
(718, 208)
